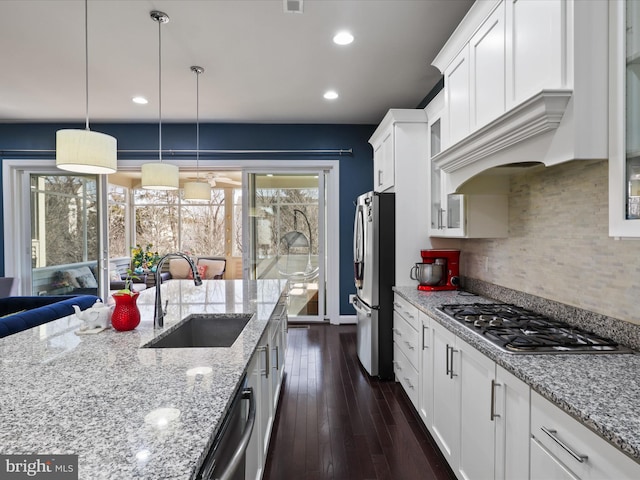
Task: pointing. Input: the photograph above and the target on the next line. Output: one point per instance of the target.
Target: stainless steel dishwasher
(226, 458)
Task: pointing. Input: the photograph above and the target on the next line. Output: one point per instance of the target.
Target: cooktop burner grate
(517, 330)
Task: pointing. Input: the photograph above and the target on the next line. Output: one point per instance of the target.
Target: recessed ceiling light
(140, 100)
(343, 38)
(331, 95)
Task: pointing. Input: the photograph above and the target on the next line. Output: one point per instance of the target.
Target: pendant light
(160, 175)
(84, 151)
(197, 190)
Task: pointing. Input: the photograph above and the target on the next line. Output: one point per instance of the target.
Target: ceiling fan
(218, 178)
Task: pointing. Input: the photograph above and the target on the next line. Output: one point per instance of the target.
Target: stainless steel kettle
(427, 273)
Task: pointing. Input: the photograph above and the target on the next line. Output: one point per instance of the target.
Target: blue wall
(356, 170)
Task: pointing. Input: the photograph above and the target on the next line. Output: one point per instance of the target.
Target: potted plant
(126, 315)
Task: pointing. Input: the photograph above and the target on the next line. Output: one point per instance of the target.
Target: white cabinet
(456, 81)
(511, 412)
(406, 347)
(624, 119)
(383, 162)
(480, 412)
(401, 142)
(398, 142)
(525, 80)
(535, 48)
(264, 374)
(425, 380)
(457, 215)
(445, 420)
(561, 447)
(487, 65)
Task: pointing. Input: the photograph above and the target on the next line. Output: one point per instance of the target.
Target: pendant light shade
(197, 190)
(160, 175)
(84, 151)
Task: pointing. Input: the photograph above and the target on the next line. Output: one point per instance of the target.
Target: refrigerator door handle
(361, 309)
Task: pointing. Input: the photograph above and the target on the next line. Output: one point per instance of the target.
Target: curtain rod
(347, 151)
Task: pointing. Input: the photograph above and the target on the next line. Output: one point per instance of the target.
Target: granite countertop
(600, 390)
(129, 412)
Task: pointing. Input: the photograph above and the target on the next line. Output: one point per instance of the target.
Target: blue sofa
(21, 313)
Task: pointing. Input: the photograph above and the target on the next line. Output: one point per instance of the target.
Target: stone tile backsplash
(558, 246)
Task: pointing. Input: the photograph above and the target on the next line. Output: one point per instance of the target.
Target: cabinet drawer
(406, 374)
(407, 339)
(408, 311)
(573, 445)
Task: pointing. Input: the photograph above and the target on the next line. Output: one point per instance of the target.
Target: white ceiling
(261, 64)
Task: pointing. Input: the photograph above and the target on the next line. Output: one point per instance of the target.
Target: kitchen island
(129, 412)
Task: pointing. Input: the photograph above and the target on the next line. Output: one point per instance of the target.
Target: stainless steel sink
(202, 330)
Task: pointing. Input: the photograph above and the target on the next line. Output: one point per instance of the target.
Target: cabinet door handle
(569, 450)
(266, 351)
(493, 415)
(451, 374)
(277, 365)
(424, 344)
(440, 218)
(447, 361)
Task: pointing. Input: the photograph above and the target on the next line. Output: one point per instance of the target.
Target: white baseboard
(348, 320)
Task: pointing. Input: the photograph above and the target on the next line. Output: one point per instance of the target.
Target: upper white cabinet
(456, 78)
(624, 119)
(401, 163)
(399, 142)
(487, 65)
(472, 214)
(525, 80)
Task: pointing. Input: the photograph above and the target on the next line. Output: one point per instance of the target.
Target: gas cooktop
(517, 330)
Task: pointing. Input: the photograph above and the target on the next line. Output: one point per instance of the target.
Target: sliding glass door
(286, 237)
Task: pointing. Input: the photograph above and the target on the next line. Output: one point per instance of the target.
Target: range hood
(522, 135)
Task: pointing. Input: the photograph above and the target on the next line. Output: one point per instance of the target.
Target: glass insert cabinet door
(624, 119)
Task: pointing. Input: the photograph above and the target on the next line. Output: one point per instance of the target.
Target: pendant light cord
(86, 62)
(160, 89)
(197, 124)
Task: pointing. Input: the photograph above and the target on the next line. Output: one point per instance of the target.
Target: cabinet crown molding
(474, 18)
(397, 115)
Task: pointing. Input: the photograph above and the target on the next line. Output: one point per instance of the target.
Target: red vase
(126, 315)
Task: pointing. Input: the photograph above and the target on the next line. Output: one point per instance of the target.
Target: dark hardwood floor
(335, 422)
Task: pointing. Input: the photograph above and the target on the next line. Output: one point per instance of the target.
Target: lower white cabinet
(561, 447)
(406, 348)
(264, 374)
(480, 412)
(425, 379)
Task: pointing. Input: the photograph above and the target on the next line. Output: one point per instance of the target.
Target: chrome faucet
(159, 312)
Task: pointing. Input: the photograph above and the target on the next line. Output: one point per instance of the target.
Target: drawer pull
(409, 384)
(411, 347)
(397, 332)
(551, 433)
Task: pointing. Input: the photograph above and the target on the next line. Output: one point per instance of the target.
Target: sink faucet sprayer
(159, 312)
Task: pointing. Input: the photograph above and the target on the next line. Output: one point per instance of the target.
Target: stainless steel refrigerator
(374, 273)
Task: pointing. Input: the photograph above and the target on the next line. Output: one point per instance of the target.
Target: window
(171, 223)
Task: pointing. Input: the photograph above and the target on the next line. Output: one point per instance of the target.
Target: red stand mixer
(439, 270)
